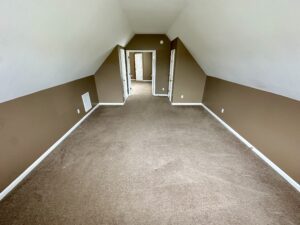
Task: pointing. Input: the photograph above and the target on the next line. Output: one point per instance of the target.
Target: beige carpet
(151, 163)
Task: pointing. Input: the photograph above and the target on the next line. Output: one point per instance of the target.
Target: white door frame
(153, 67)
(171, 75)
(122, 62)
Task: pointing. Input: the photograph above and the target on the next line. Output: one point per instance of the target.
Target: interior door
(171, 76)
(153, 72)
(138, 57)
(123, 73)
(129, 75)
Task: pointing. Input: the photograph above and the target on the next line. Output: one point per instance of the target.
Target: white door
(129, 75)
(153, 72)
(123, 73)
(172, 65)
(138, 57)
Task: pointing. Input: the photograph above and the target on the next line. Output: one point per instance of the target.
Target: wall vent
(86, 101)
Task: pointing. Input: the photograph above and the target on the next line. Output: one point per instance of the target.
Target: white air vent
(86, 101)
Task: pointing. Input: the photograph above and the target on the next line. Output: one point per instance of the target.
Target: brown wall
(132, 65)
(270, 122)
(108, 79)
(29, 125)
(147, 66)
(189, 79)
(151, 42)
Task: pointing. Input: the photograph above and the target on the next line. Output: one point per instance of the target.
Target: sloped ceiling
(152, 16)
(47, 43)
(251, 42)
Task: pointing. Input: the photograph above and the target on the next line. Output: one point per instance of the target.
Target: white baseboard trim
(143, 80)
(112, 103)
(11, 186)
(21, 177)
(290, 180)
(186, 104)
(161, 95)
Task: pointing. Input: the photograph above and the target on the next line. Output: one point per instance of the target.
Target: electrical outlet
(78, 111)
(222, 110)
(163, 89)
(181, 96)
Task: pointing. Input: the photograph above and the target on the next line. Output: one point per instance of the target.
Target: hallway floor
(151, 163)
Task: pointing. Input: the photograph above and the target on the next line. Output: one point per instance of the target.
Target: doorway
(141, 67)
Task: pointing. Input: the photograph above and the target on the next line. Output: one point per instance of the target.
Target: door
(129, 74)
(171, 76)
(138, 57)
(153, 72)
(123, 73)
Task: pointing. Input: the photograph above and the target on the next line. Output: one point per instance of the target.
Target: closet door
(138, 57)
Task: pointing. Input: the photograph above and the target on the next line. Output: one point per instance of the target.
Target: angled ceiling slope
(152, 16)
(47, 43)
(255, 42)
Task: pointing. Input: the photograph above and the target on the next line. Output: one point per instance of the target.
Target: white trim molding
(186, 104)
(112, 103)
(123, 73)
(153, 51)
(290, 180)
(171, 74)
(141, 80)
(23, 175)
(150, 50)
(144, 81)
(161, 95)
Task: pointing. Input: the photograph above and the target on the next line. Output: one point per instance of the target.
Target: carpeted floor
(151, 163)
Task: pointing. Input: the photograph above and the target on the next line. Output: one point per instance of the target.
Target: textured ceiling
(251, 42)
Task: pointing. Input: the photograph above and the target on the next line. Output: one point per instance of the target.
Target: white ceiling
(152, 16)
(47, 43)
(250, 42)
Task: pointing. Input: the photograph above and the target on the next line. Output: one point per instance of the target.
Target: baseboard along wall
(186, 104)
(112, 103)
(290, 180)
(23, 175)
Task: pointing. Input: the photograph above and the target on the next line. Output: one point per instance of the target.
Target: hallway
(151, 163)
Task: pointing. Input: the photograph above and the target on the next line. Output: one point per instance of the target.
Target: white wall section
(251, 42)
(47, 43)
(152, 16)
